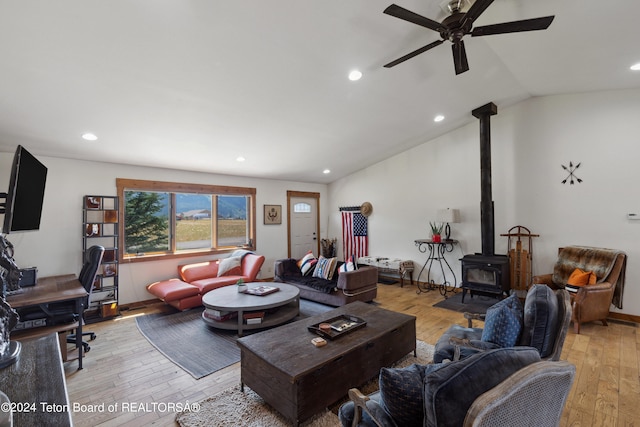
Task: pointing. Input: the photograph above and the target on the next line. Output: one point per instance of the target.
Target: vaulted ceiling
(195, 84)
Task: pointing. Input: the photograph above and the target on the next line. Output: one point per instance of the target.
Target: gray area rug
(477, 304)
(187, 341)
(232, 408)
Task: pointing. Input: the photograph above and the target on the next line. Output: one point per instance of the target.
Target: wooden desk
(54, 289)
(36, 382)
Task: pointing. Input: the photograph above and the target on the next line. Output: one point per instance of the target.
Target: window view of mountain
(229, 207)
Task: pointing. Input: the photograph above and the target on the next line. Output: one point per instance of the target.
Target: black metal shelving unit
(100, 219)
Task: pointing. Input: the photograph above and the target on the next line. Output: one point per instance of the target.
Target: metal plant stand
(437, 251)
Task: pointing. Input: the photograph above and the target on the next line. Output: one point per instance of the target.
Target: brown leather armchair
(591, 302)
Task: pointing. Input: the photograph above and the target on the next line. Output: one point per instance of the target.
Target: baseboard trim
(139, 304)
(624, 317)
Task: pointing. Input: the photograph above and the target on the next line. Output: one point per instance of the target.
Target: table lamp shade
(450, 216)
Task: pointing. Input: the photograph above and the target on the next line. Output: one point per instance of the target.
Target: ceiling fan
(458, 24)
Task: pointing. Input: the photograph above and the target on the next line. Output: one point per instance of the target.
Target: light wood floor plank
(123, 367)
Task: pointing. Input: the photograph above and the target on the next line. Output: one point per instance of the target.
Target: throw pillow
(450, 391)
(503, 322)
(331, 271)
(325, 268)
(306, 263)
(349, 265)
(401, 393)
(306, 256)
(579, 279)
(541, 314)
(230, 266)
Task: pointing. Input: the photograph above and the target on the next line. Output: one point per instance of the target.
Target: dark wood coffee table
(300, 380)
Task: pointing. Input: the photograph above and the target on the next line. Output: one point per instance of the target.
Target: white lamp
(448, 216)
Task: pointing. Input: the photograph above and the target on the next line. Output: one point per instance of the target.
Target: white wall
(530, 142)
(57, 247)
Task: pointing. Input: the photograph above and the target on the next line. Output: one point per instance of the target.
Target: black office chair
(87, 276)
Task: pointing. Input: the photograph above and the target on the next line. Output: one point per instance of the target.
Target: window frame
(124, 184)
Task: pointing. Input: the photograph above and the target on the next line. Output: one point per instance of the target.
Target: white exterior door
(304, 222)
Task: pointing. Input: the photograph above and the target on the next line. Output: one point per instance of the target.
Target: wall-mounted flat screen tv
(23, 206)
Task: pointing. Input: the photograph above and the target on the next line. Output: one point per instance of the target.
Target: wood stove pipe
(487, 223)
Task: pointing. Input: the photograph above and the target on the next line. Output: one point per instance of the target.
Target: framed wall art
(272, 214)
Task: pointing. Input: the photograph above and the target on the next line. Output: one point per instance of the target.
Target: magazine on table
(262, 290)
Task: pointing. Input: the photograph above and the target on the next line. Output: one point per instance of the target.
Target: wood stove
(486, 273)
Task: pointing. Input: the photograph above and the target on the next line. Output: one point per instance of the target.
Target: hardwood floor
(123, 368)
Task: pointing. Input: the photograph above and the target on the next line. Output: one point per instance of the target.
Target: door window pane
(302, 208)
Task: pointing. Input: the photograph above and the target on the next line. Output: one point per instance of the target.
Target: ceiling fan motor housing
(454, 28)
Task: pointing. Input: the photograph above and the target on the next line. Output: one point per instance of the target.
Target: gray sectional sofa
(343, 288)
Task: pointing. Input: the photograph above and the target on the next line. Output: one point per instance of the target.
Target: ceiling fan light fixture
(451, 6)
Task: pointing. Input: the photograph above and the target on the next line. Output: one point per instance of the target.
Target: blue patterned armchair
(541, 323)
(491, 388)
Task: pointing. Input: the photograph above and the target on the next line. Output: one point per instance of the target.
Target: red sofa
(199, 278)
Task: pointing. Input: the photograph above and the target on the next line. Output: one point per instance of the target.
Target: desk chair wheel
(85, 347)
(92, 336)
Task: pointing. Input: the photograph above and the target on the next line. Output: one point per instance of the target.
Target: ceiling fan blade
(414, 53)
(459, 57)
(476, 10)
(514, 26)
(407, 15)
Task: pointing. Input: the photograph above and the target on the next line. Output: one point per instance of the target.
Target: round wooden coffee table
(227, 299)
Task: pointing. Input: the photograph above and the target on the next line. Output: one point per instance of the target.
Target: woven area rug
(477, 304)
(232, 407)
(187, 341)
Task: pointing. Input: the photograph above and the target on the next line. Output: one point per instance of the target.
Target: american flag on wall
(354, 234)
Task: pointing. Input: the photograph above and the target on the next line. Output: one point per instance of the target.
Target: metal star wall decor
(571, 177)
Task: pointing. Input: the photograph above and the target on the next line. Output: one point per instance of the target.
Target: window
(302, 208)
(164, 219)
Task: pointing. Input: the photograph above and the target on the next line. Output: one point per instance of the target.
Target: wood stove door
(482, 279)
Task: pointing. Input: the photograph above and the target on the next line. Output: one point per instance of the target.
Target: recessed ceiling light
(355, 75)
(326, 171)
(438, 118)
(240, 159)
(89, 137)
(635, 67)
